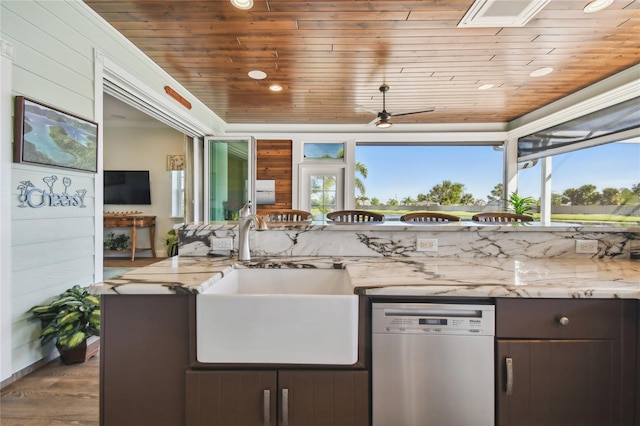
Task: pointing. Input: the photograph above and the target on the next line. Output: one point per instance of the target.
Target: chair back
(501, 217)
(355, 216)
(429, 217)
(288, 215)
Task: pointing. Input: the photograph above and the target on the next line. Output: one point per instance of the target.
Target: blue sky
(401, 171)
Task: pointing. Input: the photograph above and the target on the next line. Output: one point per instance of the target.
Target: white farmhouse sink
(279, 316)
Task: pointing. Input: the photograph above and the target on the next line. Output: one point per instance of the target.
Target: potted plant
(171, 240)
(70, 318)
(520, 205)
(119, 242)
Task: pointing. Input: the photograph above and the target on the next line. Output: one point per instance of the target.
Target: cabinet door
(231, 398)
(558, 382)
(323, 398)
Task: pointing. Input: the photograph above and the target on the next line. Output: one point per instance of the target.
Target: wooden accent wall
(274, 162)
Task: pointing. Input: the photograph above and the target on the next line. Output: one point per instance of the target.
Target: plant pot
(81, 353)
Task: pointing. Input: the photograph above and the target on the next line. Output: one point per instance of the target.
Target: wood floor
(59, 394)
(55, 394)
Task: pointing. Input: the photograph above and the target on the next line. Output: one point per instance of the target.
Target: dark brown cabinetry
(565, 362)
(277, 398)
(144, 352)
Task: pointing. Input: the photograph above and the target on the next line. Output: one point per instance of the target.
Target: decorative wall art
(32, 196)
(175, 162)
(47, 136)
(265, 191)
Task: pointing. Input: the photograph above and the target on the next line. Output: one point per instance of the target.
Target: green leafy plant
(70, 318)
(171, 240)
(520, 205)
(118, 242)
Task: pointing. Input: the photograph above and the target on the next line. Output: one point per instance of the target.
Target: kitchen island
(148, 329)
(532, 274)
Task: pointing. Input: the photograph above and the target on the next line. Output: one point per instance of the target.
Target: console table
(134, 222)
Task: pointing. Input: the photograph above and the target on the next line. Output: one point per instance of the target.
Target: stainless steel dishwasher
(433, 364)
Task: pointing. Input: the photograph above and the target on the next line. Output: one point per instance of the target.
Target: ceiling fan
(382, 120)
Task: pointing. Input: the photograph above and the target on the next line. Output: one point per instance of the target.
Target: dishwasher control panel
(432, 318)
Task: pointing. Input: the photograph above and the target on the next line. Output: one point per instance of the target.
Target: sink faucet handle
(245, 211)
(261, 224)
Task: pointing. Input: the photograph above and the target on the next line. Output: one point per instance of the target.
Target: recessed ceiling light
(275, 88)
(485, 87)
(541, 71)
(242, 4)
(257, 75)
(597, 6)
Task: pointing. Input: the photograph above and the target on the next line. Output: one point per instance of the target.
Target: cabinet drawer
(544, 318)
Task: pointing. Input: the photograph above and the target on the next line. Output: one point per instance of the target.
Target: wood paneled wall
(274, 162)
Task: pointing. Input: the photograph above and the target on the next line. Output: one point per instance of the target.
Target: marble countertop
(397, 225)
(398, 276)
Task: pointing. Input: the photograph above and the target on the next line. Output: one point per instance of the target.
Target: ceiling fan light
(383, 124)
(242, 4)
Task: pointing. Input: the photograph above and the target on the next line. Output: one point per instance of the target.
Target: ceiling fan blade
(374, 121)
(410, 113)
(366, 108)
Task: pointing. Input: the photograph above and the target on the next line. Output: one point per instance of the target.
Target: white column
(545, 191)
(98, 73)
(6, 114)
(510, 182)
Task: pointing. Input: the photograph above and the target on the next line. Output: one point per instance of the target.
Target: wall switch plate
(587, 246)
(427, 244)
(218, 244)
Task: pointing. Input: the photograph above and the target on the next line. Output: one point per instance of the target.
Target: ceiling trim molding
(398, 128)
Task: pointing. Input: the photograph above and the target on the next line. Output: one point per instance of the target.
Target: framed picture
(47, 136)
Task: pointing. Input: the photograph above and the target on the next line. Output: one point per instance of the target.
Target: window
(404, 177)
(322, 190)
(177, 193)
(597, 184)
(323, 151)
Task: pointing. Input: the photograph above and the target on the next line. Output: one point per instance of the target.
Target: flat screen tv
(127, 187)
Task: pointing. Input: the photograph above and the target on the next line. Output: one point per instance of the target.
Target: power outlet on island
(427, 244)
(587, 246)
(218, 244)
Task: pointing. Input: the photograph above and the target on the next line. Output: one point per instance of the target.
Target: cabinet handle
(563, 320)
(508, 363)
(285, 407)
(266, 407)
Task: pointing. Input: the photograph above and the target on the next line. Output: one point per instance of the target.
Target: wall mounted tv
(127, 187)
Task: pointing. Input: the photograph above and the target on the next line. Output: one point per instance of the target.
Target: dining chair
(429, 217)
(355, 216)
(289, 215)
(501, 217)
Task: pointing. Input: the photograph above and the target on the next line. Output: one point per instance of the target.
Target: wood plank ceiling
(331, 56)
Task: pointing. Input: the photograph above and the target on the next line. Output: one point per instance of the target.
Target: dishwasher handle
(435, 312)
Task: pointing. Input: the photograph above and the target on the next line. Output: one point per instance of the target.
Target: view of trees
(587, 195)
(449, 193)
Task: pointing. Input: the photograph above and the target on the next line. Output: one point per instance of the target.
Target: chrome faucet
(246, 218)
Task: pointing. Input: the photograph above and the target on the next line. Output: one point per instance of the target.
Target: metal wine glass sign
(31, 196)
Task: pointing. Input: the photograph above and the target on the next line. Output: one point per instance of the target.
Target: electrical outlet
(587, 246)
(427, 244)
(221, 244)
